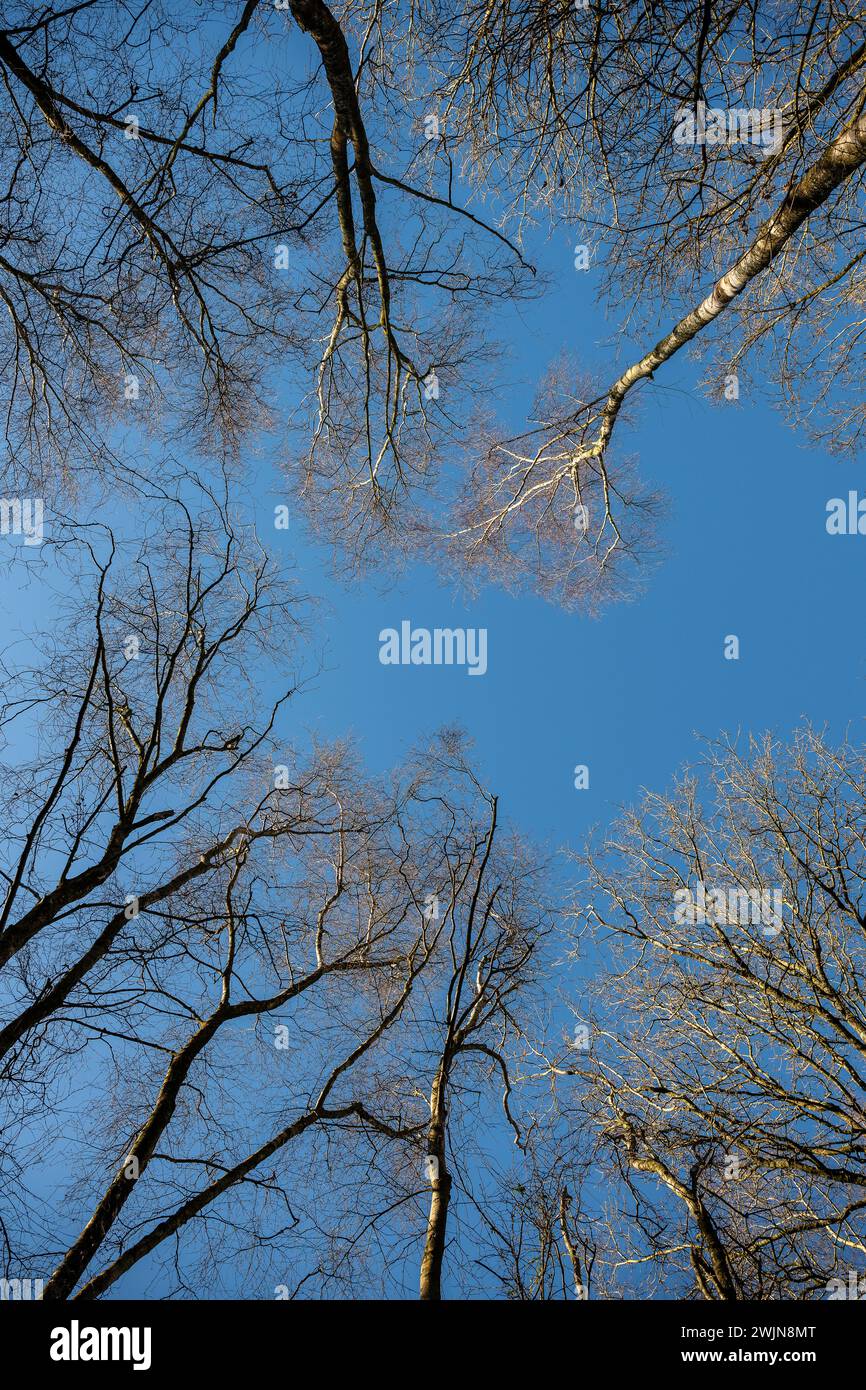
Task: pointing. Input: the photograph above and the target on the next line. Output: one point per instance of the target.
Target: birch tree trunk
(437, 1220)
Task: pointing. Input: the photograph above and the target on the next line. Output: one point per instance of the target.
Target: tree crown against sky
(213, 944)
(726, 1079)
(393, 155)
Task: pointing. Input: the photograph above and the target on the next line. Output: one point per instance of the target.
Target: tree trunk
(839, 161)
(437, 1221)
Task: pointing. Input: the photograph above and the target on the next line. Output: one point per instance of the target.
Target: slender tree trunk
(437, 1221)
(82, 1251)
(580, 1291)
(835, 166)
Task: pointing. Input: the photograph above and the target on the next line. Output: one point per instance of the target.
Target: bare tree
(745, 221)
(178, 221)
(536, 1244)
(188, 902)
(453, 1063)
(490, 962)
(711, 159)
(725, 1078)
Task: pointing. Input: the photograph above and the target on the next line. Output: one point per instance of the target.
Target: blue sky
(745, 551)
